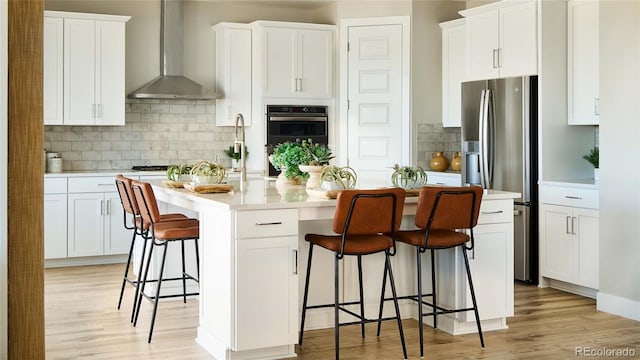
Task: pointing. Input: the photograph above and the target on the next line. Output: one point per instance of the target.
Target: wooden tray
(412, 192)
(208, 188)
(173, 184)
(327, 194)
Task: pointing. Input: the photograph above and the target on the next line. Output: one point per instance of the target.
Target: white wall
(620, 158)
(4, 128)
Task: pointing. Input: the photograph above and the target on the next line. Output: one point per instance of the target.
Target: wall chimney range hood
(171, 84)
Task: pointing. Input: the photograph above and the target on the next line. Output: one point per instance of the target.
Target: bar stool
(366, 222)
(440, 212)
(137, 227)
(161, 234)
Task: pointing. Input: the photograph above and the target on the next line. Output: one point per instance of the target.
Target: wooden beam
(25, 245)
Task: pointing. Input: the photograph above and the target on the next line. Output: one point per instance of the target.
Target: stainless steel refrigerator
(499, 144)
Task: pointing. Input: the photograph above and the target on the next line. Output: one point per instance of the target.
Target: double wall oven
(294, 123)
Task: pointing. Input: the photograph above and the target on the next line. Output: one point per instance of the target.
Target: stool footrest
(341, 307)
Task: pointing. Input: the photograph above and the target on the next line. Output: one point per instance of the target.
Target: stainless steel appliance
(499, 143)
(292, 123)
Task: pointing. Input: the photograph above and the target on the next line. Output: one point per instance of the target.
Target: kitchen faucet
(238, 146)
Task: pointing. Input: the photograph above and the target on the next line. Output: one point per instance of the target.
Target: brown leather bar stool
(366, 222)
(441, 213)
(134, 222)
(161, 233)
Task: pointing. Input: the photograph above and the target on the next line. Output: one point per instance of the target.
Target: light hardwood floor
(82, 323)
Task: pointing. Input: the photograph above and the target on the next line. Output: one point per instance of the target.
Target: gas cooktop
(150, 167)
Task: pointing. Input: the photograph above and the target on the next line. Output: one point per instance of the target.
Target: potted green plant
(235, 156)
(286, 157)
(180, 172)
(318, 156)
(408, 177)
(205, 172)
(593, 157)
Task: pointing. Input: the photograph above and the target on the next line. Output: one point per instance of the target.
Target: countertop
(260, 194)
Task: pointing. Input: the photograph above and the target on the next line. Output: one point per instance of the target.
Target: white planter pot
(596, 175)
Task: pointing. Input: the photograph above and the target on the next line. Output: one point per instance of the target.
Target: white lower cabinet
(569, 235)
(571, 244)
(55, 218)
(491, 263)
(95, 219)
(266, 266)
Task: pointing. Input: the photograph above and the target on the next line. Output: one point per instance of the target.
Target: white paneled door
(375, 101)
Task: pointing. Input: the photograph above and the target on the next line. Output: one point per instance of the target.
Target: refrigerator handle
(485, 146)
(491, 137)
(481, 136)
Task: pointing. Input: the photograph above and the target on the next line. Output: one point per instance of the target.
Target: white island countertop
(261, 194)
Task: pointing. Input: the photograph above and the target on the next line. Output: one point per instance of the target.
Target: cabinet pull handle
(108, 207)
(105, 184)
(567, 224)
(269, 223)
(295, 84)
(499, 58)
(491, 212)
(101, 207)
(295, 262)
(573, 227)
(596, 106)
(573, 197)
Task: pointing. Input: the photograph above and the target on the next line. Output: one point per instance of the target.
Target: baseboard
(573, 288)
(87, 260)
(620, 306)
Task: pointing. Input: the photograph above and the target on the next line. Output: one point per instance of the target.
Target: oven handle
(289, 118)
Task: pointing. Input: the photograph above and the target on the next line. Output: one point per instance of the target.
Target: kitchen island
(253, 258)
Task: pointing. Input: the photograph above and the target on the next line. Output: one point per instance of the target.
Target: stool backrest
(126, 194)
(361, 212)
(448, 207)
(146, 199)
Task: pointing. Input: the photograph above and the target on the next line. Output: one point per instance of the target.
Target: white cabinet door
(79, 71)
(55, 226)
(109, 73)
(491, 271)
(559, 243)
(296, 63)
(453, 71)
(583, 62)
(482, 46)
(85, 224)
(315, 53)
(267, 307)
(117, 239)
(518, 40)
(53, 58)
(586, 227)
(501, 40)
(233, 73)
(279, 60)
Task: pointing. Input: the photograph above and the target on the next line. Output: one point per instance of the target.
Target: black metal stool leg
(395, 303)
(306, 293)
(384, 283)
(433, 289)
(184, 274)
(420, 312)
(157, 297)
(336, 307)
(144, 282)
(126, 269)
(361, 293)
(140, 275)
(473, 295)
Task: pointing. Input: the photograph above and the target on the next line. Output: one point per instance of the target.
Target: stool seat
(181, 229)
(140, 224)
(355, 244)
(438, 239)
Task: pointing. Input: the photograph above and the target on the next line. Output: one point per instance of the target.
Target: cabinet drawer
(55, 185)
(495, 211)
(265, 223)
(92, 184)
(568, 196)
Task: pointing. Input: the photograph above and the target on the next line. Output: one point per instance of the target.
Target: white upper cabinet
(93, 68)
(501, 40)
(52, 72)
(295, 60)
(233, 72)
(583, 62)
(453, 70)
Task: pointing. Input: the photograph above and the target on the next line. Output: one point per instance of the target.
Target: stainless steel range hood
(171, 84)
